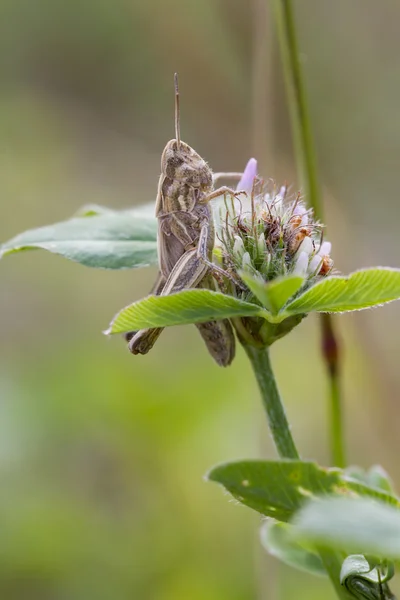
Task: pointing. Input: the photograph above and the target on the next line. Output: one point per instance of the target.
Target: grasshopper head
(180, 162)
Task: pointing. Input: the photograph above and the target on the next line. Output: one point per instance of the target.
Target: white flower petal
(301, 265)
(325, 249)
(315, 264)
(306, 246)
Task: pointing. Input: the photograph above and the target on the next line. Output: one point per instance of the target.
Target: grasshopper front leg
(203, 253)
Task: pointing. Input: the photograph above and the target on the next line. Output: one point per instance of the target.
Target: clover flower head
(268, 232)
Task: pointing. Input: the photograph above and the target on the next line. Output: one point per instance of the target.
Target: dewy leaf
(362, 289)
(279, 488)
(273, 295)
(276, 539)
(189, 306)
(363, 581)
(358, 526)
(109, 241)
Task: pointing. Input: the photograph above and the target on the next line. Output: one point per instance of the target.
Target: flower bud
(248, 177)
(238, 247)
(246, 262)
(261, 244)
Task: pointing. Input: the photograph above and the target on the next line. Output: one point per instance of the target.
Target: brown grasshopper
(186, 239)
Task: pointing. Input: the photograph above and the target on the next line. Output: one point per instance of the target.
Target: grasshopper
(186, 239)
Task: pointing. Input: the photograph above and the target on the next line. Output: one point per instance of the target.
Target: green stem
(307, 167)
(278, 423)
(280, 430)
(297, 101)
(332, 562)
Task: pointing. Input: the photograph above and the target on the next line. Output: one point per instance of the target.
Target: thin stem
(278, 423)
(280, 430)
(332, 562)
(297, 101)
(307, 167)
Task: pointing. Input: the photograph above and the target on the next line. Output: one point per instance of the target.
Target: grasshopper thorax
(179, 162)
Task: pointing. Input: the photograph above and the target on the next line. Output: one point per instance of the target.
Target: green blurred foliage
(101, 453)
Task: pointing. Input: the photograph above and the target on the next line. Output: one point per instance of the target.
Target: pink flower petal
(248, 177)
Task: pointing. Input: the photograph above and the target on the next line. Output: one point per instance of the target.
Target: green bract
(103, 238)
(275, 302)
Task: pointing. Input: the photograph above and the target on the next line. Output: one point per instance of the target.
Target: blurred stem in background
(307, 168)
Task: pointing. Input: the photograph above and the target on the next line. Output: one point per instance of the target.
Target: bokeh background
(101, 453)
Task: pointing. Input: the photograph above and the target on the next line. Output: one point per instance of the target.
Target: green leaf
(91, 210)
(189, 306)
(276, 539)
(358, 526)
(375, 477)
(362, 289)
(109, 241)
(378, 478)
(273, 295)
(279, 488)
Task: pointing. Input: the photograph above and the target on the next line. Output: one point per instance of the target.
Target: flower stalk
(277, 420)
(285, 445)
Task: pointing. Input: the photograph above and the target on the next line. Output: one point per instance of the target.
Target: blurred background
(102, 454)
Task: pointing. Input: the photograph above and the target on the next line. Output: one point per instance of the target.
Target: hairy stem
(307, 166)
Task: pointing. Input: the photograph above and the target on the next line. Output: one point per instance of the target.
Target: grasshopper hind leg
(141, 342)
(217, 335)
(156, 291)
(187, 273)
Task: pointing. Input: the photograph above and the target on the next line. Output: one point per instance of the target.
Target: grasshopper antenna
(177, 112)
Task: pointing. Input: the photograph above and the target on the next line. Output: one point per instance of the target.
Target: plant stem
(300, 120)
(307, 167)
(332, 562)
(278, 423)
(280, 430)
